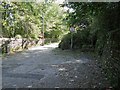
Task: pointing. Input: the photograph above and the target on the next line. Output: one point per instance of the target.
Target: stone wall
(111, 58)
(12, 45)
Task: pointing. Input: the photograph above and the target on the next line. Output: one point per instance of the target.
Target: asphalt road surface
(49, 67)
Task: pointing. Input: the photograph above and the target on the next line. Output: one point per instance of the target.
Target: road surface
(49, 67)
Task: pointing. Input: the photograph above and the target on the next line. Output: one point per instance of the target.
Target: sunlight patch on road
(45, 47)
(79, 61)
(54, 65)
(62, 69)
(29, 86)
(75, 61)
(38, 48)
(53, 45)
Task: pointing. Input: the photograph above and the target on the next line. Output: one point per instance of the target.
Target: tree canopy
(30, 19)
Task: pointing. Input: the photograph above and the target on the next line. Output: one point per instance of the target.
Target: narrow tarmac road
(49, 67)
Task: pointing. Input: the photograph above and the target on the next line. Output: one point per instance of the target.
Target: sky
(57, 1)
(60, 1)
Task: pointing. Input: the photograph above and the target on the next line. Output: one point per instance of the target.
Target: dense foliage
(94, 21)
(98, 29)
(32, 20)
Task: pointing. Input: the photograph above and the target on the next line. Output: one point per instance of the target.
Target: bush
(65, 42)
(79, 39)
